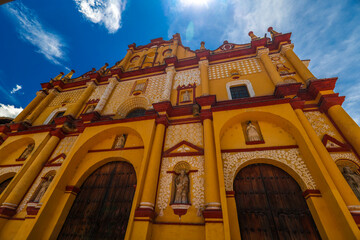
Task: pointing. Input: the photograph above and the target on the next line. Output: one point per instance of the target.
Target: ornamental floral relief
(197, 198)
(318, 122)
(184, 78)
(192, 133)
(348, 155)
(291, 157)
(33, 187)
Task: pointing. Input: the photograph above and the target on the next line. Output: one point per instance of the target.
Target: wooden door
(102, 207)
(270, 205)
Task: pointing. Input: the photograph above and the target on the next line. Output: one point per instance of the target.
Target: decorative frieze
(244, 67)
(345, 155)
(63, 148)
(292, 158)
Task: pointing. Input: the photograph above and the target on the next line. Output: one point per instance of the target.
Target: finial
(272, 32)
(58, 77)
(202, 47)
(225, 42)
(68, 76)
(253, 36)
(103, 68)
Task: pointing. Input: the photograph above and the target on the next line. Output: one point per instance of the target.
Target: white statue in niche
(44, 185)
(186, 96)
(252, 133)
(27, 151)
(181, 188)
(353, 180)
(119, 141)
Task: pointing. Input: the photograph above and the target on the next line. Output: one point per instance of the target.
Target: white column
(105, 97)
(170, 73)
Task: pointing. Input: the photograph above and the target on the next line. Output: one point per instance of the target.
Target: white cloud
(327, 33)
(32, 30)
(105, 12)
(15, 89)
(9, 110)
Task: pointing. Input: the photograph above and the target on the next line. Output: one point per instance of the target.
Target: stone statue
(186, 96)
(181, 187)
(43, 187)
(27, 151)
(120, 141)
(353, 180)
(252, 132)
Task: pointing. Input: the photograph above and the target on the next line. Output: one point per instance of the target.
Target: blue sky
(41, 38)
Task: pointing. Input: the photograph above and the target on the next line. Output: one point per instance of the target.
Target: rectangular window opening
(239, 92)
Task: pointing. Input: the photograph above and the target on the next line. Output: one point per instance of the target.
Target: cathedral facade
(240, 142)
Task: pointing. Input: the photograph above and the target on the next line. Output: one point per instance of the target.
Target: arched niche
(53, 114)
(11, 151)
(130, 104)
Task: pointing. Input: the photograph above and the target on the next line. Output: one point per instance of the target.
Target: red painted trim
(179, 223)
(342, 135)
(259, 149)
(207, 213)
(117, 149)
(11, 165)
(254, 142)
(31, 210)
(185, 154)
(58, 133)
(72, 189)
(297, 104)
(327, 101)
(62, 155)
(318, 85)
(230, 194)
(190, 171)
(162, 106)
(7, 211)
(20, 159)
(311, 193)
(206, 100)
(185, 121)
(145, 212)
(206, 114)
(21, 126)
(343, 147)
(244, 103)
(199, 149)
(286, 89)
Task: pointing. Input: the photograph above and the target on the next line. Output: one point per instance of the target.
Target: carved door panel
(270, 205)
(101, 210)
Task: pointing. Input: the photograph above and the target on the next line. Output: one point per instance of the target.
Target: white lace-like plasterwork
(184, 78)
(63, 147)
(192, 133)
(349, 156)
(318, 122)
(13, 169)
(197, 198)
(122, 91)
(36, 183)
(291, 157)
(244, 67)
(98, 92)
(70, 97)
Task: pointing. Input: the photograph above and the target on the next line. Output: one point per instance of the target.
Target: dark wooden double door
(101, 210)
(270, 205)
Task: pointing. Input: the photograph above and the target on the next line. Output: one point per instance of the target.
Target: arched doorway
(102, 208)
(270, 205)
